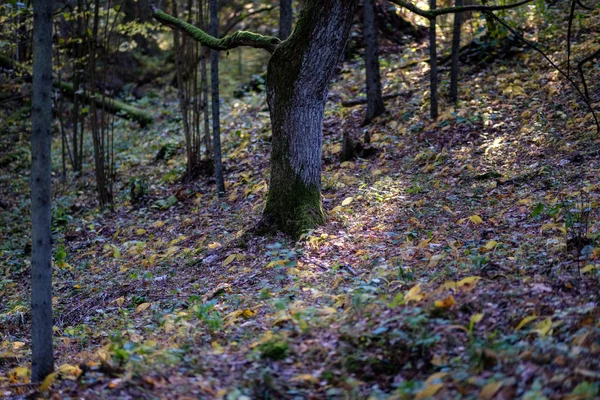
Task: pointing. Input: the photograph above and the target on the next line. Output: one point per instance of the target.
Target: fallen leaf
(525, 321)
(429, 391)
(445, 303)
(142, 307)
(229, 260)
(414, 294)
(489, 390)
(476, 219)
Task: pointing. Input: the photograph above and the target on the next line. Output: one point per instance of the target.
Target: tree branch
(556, 67)
(245, 16)
(431, 14)
(237, 39)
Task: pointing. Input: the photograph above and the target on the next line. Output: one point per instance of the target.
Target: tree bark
(433, 73)
(285, 19)
(297, 83)
(216, 118)
(42, 362)
(455, 54)
(375, 105)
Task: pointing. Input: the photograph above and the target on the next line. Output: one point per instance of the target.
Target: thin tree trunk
(375, 105)
(41, 259)
(433, 97)
(204, 79)
(285, 19)
(214, 76)
(455, 53)
(297, 84)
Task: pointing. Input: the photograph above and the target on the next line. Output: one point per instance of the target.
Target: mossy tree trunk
(298, 76)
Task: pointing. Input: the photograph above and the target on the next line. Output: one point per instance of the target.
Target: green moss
(275, 349)
(295, 209)
(237, 39)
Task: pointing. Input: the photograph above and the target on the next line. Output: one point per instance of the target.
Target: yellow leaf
(491, 245)
(525, 321)
(140, 231)
(17, 345)
(48, 381)
(448, 210)
(229, 260)
(429, 391)
(142, 307)
(304, 378)
(437, 377)
(68, 369)
(476, 219)
(544, 327)
(120, 301)
(158, 224)
(446, 303)
(171, 251)
(276, 263)
(435, 260)
(248, 313)
(328, 311)
(489, 391)
(214, 245)
(347, 201)
(414, 294)
(476, 318)
(468, 282)
(588, 268)
(217, 348)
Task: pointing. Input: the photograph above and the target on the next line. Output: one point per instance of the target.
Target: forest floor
(443, 270)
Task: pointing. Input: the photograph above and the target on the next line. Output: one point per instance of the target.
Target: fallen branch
(109, 105)
(363, 100)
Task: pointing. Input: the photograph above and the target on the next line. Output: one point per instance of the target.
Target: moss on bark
(295, 209)
(237, 39)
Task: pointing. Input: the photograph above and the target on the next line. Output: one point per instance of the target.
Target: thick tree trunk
(41, 267)
(285, 19)
(297, 83)
(455, 53)
(375, 106)
(433, 73)
(216, 117)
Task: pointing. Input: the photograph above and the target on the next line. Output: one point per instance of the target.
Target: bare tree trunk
(298, 76)
(214, 75)
(375, 105)
(433, 74)
(42, 362)
(285, 19)
(455, 53)
(103, 183)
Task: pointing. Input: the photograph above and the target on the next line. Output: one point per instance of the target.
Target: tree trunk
(433, 73)
(214, 76)
(285, 19)
(375, 106)
(297, 83)
(41, 259)
(455, 54)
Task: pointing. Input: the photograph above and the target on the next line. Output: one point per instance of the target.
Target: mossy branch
(108, 104)
(430, 14)
(237, 39)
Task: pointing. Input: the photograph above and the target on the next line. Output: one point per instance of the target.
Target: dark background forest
(300, 199)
